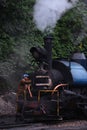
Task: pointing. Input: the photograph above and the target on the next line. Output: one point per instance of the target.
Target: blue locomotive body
(78, 72)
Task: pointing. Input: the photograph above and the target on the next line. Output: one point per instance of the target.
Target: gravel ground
(8, 104)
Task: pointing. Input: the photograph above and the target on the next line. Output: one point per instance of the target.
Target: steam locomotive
(58, 87)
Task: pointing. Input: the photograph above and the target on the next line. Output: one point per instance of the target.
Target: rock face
(8, 104)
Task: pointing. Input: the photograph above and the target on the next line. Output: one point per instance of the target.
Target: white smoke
(48, 12)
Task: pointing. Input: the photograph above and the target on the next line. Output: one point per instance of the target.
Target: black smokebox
(48, 40)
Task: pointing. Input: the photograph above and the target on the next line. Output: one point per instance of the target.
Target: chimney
(48, 46)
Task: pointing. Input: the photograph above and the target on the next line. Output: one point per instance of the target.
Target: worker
(25, 84)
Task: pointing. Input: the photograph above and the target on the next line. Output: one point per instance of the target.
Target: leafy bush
(6, 45)
(66, 32)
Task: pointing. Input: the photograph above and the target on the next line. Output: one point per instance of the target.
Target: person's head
(25, 76)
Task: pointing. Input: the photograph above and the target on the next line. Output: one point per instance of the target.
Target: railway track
(11, 122)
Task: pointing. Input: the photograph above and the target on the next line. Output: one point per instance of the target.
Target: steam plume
(48, 12)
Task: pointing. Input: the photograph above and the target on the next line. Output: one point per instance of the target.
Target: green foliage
(15, 16)
(84, 45)
(66, 32)
(6, 45)
(16, 22)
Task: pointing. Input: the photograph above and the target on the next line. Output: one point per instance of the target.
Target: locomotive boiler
(58, 88)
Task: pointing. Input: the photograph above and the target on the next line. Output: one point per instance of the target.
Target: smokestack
(48, 46)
